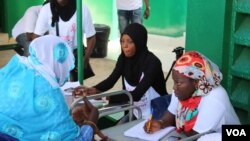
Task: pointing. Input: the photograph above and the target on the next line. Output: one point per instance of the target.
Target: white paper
(69, 85)
(137, 131)
(67, 90)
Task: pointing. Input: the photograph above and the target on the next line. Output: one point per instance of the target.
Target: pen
(69, 90)
(150, 120)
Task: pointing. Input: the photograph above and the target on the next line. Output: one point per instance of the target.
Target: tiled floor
(159, 45)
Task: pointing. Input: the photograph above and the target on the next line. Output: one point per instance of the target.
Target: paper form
(137, 131)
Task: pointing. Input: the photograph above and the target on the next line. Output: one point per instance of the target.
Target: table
(8, 46)
(106, 121)
(115, 133)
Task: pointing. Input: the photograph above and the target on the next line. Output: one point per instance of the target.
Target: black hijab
(133, 66)
(64, 12)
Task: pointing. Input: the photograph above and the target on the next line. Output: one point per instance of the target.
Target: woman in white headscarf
(32, 105)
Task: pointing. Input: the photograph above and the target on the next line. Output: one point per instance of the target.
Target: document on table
(68, 87)
(137, 131)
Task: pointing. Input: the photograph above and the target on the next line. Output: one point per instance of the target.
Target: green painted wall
(205, 28)
(1, 15)
(104, 12)
(220, 30)
(13, 10)
(167, 18)
(228, 33)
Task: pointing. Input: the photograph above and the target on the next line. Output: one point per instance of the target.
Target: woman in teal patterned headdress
(32, 105)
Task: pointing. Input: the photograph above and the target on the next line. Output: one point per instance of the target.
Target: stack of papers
(137, 131)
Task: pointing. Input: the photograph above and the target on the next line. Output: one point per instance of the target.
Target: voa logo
(236, 132)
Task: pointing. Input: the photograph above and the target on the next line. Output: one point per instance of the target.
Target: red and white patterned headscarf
(196, 66)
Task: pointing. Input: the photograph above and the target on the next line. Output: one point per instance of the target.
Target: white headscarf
(52, 58)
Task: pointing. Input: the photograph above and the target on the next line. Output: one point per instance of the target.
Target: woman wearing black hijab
(140, 69)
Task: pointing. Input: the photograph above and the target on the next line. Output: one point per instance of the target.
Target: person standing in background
(61, 15)
(24, 28)
(130, 11)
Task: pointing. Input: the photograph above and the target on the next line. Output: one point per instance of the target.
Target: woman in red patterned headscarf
(199, 103)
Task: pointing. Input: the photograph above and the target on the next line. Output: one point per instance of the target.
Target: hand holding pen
(149, 124)
(152, 125)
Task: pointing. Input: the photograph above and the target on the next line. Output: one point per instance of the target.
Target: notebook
(137, 131)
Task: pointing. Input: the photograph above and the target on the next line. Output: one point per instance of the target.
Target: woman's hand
(91, 91)
(83, 91)
(84, 112)
(151, 126)
(93, 113)
(79, 114)
(79, 91)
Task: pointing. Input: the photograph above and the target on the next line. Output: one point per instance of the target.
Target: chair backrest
(160, 106)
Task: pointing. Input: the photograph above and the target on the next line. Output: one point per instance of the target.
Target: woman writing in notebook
(199, 103)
